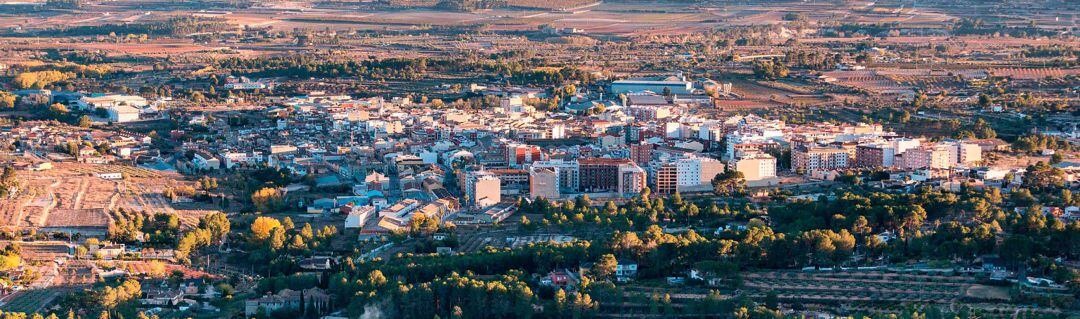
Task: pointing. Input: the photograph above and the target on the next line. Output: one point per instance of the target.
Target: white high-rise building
(901, 145)
(558, 131)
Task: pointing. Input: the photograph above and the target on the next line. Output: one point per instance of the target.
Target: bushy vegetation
(179, 25)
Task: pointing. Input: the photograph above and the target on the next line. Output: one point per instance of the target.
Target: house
(496, 214)
(996, 267)
(316, 263)
(561, 278)
(161, 296)
(313, 299)
(87, 151)
(158, 254)
(710, 278)
(110, 175)
(205, 161)
(107, 252)
(626, 270)
(358, 216)
(198, 288)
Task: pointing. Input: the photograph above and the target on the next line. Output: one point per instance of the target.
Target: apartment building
(596, 175)
(483, 188)
(519, 155)
(936, 157)
(544, 182)
(756, 167)
(567, 170)
(818, 158)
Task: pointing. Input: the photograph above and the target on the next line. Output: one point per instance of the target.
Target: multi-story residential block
(936, 157)
(665, 178)
(484, 189)
(904, 144)
(875, 155)
(641, 153)
(544, 182)
(596, 175)
(205, 161)
(568, 173)
(558, 131)
(818, 158)
(632, 179)
(684, 173)
(512, 181)
(756, 167)
(518, 155)
(968, 153)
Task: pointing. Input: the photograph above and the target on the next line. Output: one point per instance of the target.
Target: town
(515, 159)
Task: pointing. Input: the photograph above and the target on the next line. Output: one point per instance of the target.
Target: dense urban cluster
(516, 159)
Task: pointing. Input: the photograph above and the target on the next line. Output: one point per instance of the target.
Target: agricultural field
(70, 196)
(28, 301)
(858, 286)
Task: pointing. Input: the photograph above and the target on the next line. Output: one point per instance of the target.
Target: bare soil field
(70, 196)
(149, 49)
(869, 80)
(42, 250)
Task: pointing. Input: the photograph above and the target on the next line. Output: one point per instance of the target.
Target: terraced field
(28, 301)
(864, 286)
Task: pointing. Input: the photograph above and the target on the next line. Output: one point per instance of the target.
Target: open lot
(70, 196)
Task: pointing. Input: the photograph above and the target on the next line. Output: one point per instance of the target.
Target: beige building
(936, 157)
(969, 153)
(486, 190)
(543, 182)
(632, 179)
(808, 159)
(757, 167)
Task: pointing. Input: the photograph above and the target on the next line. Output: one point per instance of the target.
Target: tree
(57, 109)
(297, 244)
(7, 100)
(985, 100)
(1056, 159)
(277, 239)
(376, 278)
(729, 183)
(9, 262)
(85, 121)
(605, 266)
(267, 199)
(307, 231)
(262, 227)
(40, 79)
(217, 223)
(770, 70)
